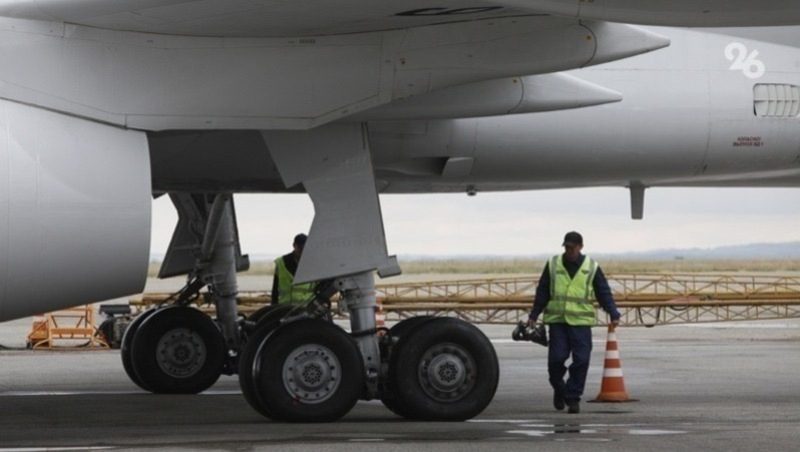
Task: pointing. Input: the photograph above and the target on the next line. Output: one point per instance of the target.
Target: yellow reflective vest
(571, 297)
(288, 292)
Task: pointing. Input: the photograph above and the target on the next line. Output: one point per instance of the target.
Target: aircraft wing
(271, 18)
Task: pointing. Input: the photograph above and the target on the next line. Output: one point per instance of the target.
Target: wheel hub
(311, 373)
(181, 353)
(446, 372)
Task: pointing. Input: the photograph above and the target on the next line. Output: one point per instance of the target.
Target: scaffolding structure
(643, 299)
(73, 327)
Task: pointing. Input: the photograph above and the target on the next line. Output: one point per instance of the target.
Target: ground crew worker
(567, 287)
(283, 288)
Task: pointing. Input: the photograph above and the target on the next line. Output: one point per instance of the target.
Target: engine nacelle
(75, 203)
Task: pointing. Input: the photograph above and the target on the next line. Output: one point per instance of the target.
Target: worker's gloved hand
(615, 322)
(531, 321)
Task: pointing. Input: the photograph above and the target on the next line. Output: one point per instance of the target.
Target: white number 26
(748, 63)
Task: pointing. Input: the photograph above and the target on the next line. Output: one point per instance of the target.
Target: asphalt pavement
(712, 387)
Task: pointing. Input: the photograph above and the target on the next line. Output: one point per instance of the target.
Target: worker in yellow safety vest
(569, 284)
(283, 288)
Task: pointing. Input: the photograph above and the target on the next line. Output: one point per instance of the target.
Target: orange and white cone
(613, 386)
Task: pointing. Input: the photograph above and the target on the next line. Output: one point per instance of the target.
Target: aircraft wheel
(449, 373)
(125, 348)
(256, 316)
(397, 333)
(404, 326)
(270, 313)
(267, 320)
(178, 350)
(305, 371)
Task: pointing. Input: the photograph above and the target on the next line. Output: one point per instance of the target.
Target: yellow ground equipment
(68, 328)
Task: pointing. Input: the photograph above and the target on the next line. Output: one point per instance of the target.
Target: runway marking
(38, 449)
(366, 440)
(726, 325)
(583, 440)
(532, 433)
(655, 432)
(64, 393)
(595, 431)
(594, 341)
(213, 392)
(503, 421)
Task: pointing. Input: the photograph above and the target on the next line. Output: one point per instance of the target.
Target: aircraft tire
(398, 332)
(307, 371)
(404, 326)
(449, 373)
(125, 347)
(267, 321)
(270, 312)
(178, 350)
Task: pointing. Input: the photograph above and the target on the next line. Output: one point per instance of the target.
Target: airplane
(104, 105)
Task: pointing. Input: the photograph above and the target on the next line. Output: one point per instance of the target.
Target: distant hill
(759, 251)
(752, 251)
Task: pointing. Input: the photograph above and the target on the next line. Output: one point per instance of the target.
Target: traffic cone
(613, 387)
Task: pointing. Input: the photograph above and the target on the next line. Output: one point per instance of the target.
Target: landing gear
(307, 370)
(310, 370)
(293, 365)
(441, 369)
(176, 350)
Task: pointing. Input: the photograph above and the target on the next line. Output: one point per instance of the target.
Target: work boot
(574, 407)
(558, 400)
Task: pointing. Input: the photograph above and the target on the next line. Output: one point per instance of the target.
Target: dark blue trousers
(566, 340)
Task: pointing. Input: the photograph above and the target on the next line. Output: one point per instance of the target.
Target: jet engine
(74, 211)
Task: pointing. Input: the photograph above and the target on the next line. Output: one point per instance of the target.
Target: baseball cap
(572, 238)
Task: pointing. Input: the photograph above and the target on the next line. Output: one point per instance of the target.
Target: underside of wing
(274, 18)
(679, 13)
(255, 18)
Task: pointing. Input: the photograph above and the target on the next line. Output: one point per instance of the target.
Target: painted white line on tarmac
(503, 421)
(594, 341)
(38, 449)
(726, 325)
(74, 393)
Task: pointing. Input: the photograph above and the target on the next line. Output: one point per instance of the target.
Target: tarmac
(731, 386)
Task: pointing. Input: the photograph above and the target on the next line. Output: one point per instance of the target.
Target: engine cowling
(75, 203)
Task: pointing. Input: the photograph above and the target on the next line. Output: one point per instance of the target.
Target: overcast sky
(526, 223)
